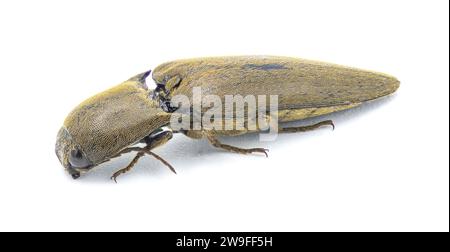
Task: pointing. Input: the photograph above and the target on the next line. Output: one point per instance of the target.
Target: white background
(384, 168)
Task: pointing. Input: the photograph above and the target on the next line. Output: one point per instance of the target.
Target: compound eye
(77, 159)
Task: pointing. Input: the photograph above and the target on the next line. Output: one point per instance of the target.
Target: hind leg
(306, 128)
(211, 136)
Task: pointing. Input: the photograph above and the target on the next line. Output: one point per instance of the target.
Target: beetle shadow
(185, 153)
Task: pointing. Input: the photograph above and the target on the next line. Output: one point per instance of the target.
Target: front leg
(129, 167)
(151, 141)
(141, 153)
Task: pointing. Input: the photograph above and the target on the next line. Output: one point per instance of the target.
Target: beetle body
(106, 124)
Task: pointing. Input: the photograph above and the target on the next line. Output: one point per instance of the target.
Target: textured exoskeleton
(106, 125)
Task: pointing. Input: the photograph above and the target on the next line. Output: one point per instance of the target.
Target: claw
(331, 124)
(260, 150)
(265, 152)
(114, 178)
(115, 175)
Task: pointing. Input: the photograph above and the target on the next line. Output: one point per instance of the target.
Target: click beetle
(111, 123)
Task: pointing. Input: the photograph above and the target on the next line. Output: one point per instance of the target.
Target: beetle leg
(160, 159)
(152, 142)
(140, 154)
(280, 129)
(128, 168)
(216, 143)
(306, 128)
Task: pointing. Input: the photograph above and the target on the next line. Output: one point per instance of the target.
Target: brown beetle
(112, 122)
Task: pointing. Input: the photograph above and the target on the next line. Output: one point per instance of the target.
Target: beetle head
(70, 154)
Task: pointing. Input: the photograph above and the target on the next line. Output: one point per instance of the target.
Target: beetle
(111, 123)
